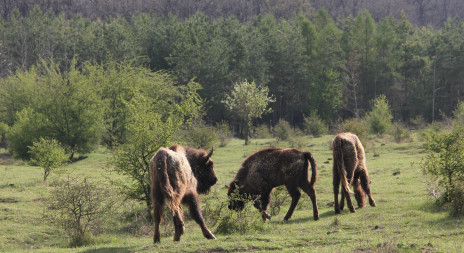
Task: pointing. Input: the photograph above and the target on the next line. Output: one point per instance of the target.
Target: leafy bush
(458, 115)
(282, 130)
(444, 162)
(244, 221)
(418, 122)
(48, 154)
(401, 133)
(279, 196)
(224, 133)
(201, 136)
(262, 132)
(355, 126)
(379, 119)
(80, 207)
(315, 125)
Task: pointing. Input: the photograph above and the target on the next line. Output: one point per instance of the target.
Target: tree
(380, 117)
(153, 121)
(248, 101)
(48, 154)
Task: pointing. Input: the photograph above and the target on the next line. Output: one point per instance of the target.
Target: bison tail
(309, 157)
(159, 166)
(339, 165)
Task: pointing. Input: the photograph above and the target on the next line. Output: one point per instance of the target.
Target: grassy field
(405, 219)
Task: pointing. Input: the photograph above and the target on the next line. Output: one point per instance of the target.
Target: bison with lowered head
(178, 175)
(269, 168)
(349, 168)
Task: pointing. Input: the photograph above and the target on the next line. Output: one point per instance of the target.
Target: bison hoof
(373, 204)
(316, 217)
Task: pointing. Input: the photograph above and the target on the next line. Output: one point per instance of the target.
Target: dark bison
(269, 168)
(178, 175)
(349, 167)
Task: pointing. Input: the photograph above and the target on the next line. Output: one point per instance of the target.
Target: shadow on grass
(306, 219)
(108, 249)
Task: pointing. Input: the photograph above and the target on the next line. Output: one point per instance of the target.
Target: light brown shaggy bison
(178, 175)
(349, 167)
(269, 168)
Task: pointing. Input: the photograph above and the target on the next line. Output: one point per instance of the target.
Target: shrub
(444, 162)
(355, 126)
(261, 132)
(223, 132)
(315, 125)
(201, 136)
(80, 207)
(282, 130)
(48, 154)
(244, 221)
(279, 196)
(458, 115)
(379, 119)
(400, 133)
(418, 122)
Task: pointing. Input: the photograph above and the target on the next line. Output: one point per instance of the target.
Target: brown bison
(178, 175)
(269, 168)
(349, 167)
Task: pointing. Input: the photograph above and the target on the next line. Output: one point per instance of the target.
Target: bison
(349, 167)
(269, 168)
(178, 175)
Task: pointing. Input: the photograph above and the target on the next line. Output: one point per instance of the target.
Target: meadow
(405, 219)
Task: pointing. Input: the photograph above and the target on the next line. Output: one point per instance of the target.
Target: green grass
(405, 219)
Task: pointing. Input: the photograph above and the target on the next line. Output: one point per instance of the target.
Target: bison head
(203, 170)
(236, 201)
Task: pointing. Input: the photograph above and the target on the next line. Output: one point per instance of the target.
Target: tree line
(334, 67)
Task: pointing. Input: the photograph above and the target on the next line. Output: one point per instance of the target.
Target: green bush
(355, 126)
(80, 207)
(315, 125)
(261, 132)
(201, 136)
(444, 162)
(400, 133)
(379, 119)
(282, 130)
(48, 154)
(223, 133)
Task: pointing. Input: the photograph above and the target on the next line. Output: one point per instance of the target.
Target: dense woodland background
(335, 56)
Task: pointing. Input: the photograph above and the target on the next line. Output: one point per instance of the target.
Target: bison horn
(211, 152)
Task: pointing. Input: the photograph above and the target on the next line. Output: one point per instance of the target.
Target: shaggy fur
(178, 175)
(349, 168)
(269, 168)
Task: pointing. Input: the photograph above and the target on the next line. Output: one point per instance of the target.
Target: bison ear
(210, 152)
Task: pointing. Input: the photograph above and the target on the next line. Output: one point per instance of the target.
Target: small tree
(379, 119)
(48, 154)
(249, 102)
(315, 125)
(80, 207)
(282, 130)
(444, 161)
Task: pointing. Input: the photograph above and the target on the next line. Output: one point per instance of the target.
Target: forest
(309, 61)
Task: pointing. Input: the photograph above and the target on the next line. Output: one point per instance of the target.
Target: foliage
(248, 101)
(200, 136)
(244, 221)
(282, 130)
(153, 121)
(444, 161)
(224, 133)
(315, 125)
(80, 207)
(380, 117)
(261, 132)
(48, 154)
(355, 126)
(458, 115)
(400, 132)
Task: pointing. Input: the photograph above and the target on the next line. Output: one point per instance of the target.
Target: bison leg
(295, 194)
(336, 184)
(365, 185)
(348, 200)
(178, 224)
(262, 203)
(158, 203)
(193, 202)
(342, 200)
(308, 189)
(358, 192)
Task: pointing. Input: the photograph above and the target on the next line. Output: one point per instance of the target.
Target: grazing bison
(178, 175)
(269, 168)
(349, 167)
